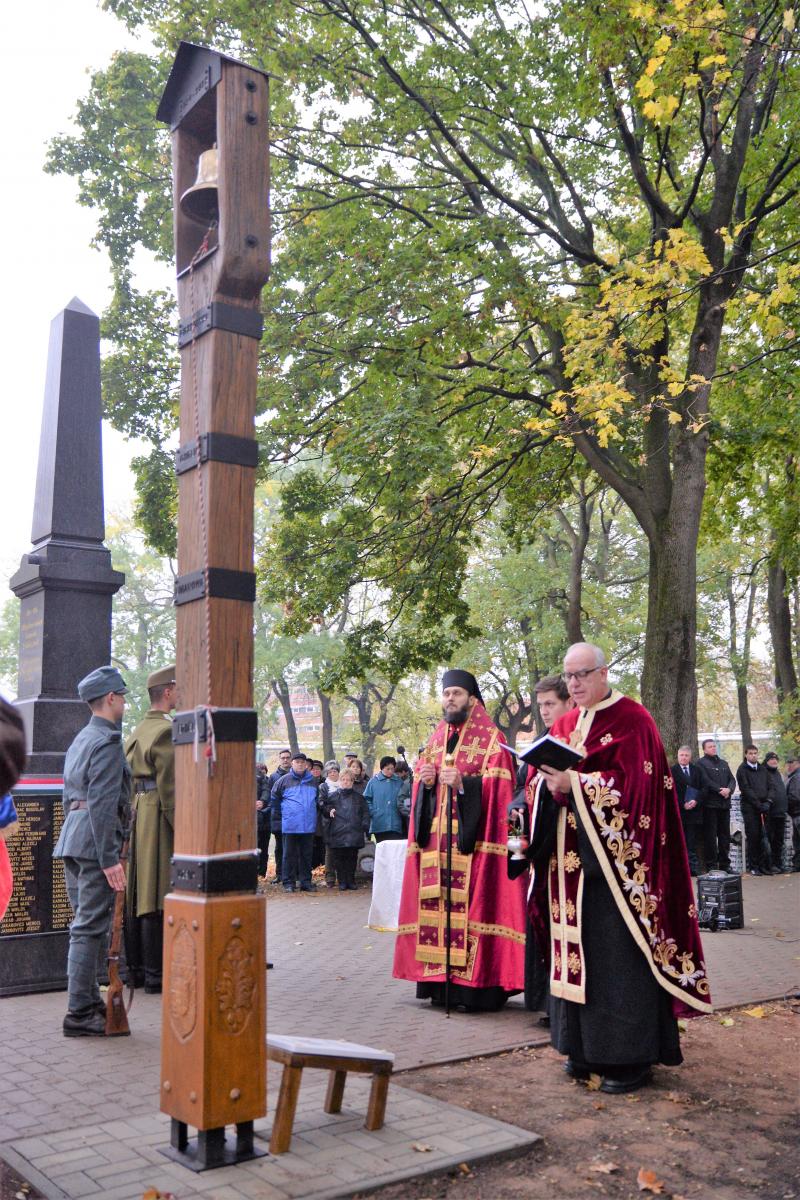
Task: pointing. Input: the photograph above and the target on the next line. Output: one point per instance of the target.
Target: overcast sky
(51, 49)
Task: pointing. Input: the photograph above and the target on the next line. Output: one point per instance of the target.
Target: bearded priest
(625, 953)
(487, 940)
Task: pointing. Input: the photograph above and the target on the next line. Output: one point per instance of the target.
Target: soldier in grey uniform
(96, 800)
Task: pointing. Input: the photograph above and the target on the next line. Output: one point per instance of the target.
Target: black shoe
(87, 1023)
(308, 887)
(775, 871)
(342, 887)
(544, 1023)
(755, 871)
(631, 1081)
(576, 1070)
(152, 989)
(288, 887)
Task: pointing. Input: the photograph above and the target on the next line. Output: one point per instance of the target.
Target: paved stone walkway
(332, 977)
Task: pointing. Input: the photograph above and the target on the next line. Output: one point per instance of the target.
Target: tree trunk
(281, 689)
(780, 628)
(327, 726)
(669, 684)
(740, 658)
(744, 715)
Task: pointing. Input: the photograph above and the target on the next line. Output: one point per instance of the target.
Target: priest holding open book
(613, 891)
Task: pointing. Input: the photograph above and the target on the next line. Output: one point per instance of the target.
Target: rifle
(116, 1012)
(449, 760)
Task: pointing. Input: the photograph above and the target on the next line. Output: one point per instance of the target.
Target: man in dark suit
(688, 786)
(754, 787)
(718, 785)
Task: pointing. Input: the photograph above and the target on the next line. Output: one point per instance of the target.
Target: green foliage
(504, 236)
(143, 616)
(9, 645)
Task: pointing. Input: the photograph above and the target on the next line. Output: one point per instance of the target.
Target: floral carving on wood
(235, 987)
(183, 984)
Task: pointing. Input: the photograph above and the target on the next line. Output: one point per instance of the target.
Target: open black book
(548, 751)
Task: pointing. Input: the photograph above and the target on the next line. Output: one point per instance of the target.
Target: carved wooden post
(213, 1069)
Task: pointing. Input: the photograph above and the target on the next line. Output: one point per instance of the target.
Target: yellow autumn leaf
(788, 19)
(645, 87)
(663, 44)
(674, 418)
(727, 1022)
(756, 1012)
(653, 65)
(713, 60)
(691, 81)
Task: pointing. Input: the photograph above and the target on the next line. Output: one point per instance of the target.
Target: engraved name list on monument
(39, 901)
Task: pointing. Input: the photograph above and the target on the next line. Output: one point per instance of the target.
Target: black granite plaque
(39, 901)
(33, 932)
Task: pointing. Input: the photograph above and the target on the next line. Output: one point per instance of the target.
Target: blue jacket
(381, 796)
(294, 802)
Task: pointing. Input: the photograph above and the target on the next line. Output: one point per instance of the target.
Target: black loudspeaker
(719, 901)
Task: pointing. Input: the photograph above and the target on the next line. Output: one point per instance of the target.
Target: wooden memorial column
(213, 1067)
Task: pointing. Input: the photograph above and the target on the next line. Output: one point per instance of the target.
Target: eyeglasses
(579, 674)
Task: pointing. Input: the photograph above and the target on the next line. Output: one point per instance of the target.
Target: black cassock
(627, 1018)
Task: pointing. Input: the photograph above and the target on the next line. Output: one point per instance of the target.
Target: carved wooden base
(211, 1148)
(213, 1055)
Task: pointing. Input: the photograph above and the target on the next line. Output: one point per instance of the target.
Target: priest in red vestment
(487, 938)
(625, 953)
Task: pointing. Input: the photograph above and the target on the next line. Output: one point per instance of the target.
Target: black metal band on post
(247, 322)
(220, 584)
(230, 725)
(217, 447)
(214, 875)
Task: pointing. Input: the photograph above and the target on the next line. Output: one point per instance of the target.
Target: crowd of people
(324, 813)
(705, 789)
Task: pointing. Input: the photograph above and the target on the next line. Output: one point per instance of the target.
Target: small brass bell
(199, 202)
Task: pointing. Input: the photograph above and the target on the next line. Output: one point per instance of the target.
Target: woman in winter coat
(327, 789)
(345, 819)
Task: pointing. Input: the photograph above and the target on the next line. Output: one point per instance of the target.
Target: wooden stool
(325, 1055)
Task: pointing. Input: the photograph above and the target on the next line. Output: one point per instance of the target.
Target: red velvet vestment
(488, 909)
(623, 793)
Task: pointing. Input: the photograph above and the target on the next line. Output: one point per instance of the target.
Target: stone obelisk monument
(65, 585)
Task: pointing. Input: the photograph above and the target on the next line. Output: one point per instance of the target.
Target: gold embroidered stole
(475, 744)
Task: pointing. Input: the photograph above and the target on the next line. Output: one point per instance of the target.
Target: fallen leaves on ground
(727, 1022)
(593, 1082)
(420, 1148)
(757, 1012)
(604, 1168)
(155, 1194)
(648, 1181)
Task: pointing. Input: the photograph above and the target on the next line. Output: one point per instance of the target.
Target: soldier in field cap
(96, 797)
(151, 759)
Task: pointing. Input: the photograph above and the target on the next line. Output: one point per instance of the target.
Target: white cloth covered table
(387, 883)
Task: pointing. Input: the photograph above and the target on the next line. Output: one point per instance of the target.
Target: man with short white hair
(625, 952)
(686, 778)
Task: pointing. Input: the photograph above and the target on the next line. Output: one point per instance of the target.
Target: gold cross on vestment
(474, 750)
